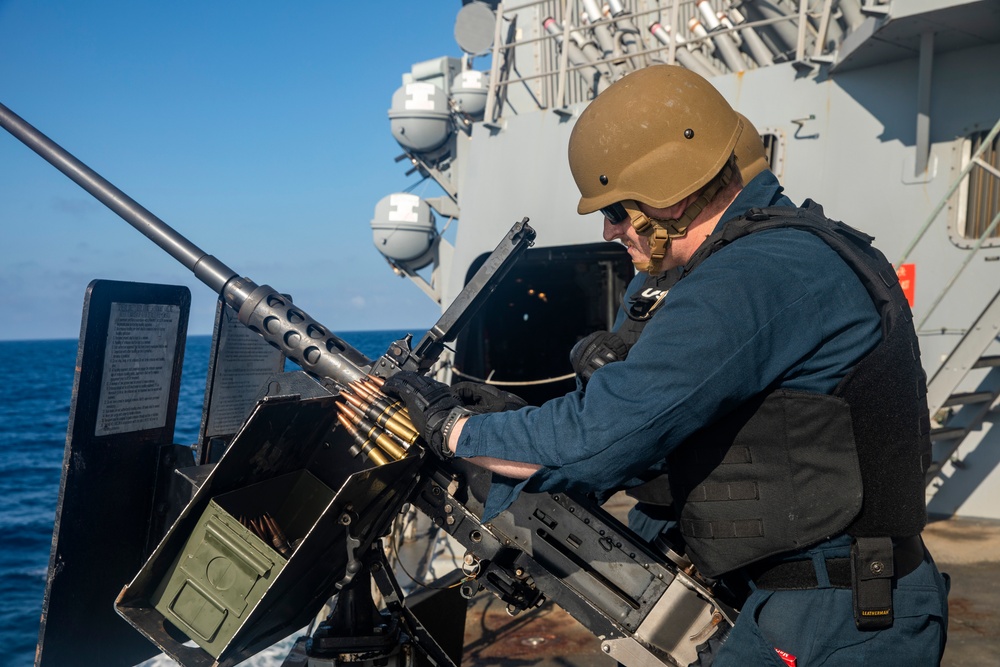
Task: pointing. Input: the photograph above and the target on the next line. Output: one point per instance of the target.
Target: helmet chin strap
(661, 230)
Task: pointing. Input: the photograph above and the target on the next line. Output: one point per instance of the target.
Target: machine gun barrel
(260, 307)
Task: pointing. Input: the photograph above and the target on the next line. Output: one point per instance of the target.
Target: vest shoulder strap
(853, 246)
(641, 305)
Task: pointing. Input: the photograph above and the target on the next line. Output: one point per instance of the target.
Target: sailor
(770, 407)
(602, 347)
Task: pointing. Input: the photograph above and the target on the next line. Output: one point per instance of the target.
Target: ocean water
(37, 377)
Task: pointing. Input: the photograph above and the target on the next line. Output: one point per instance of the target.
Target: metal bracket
(393, 598)
(871, 9)
(352, 543)
(800, 122)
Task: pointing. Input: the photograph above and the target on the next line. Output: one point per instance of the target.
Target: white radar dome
(469, 92)
(403, 230)
(419, 117)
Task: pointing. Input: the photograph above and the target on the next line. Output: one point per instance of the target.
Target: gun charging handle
(260, 307)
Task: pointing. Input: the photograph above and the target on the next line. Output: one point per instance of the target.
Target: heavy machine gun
(214, 579)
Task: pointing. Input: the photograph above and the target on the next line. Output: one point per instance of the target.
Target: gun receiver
(647, 610)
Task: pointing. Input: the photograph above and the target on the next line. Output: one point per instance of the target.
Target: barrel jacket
(789, 468)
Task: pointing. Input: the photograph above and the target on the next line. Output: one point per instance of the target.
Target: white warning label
(138, 363)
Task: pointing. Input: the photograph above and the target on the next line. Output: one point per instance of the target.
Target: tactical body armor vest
(791, 469)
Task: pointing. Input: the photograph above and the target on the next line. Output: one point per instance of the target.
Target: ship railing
(989, 233)
(959, 401)
(806, 33)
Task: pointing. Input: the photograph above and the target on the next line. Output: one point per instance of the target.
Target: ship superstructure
(884, 112)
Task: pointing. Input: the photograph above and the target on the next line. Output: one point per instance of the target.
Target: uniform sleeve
(758, 313)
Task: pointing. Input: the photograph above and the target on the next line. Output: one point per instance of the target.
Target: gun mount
(647, 609)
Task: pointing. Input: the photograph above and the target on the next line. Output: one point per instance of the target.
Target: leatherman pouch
(872, 572)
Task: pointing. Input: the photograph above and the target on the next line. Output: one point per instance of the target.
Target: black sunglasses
(616, 213)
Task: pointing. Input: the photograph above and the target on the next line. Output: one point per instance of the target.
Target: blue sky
(256, 129)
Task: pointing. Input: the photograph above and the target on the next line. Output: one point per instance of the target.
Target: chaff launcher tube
(724, 44)
(692, 60)
(601, 30)
(752, 42)
(576, 56)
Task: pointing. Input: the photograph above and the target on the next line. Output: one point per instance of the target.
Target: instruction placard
(138, 365)
(243, 363)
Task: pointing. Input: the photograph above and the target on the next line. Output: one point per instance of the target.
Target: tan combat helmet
(750, 156)
(656, 136)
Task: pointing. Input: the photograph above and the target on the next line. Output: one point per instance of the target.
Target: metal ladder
(943, 399)
(956, 413)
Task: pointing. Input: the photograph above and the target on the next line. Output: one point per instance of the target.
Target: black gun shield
(123, 409)
(239, 364)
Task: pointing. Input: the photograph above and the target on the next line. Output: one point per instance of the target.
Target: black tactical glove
(433, 410)
(596, 351)
(482, 398)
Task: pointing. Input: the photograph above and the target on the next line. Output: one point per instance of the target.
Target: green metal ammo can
(224, 568)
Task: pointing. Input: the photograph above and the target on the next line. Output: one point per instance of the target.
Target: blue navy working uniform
(777, 309)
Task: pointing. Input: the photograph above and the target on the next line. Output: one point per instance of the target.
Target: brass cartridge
(387, 418)
(374, 390)
(368, 448)
(372, 432)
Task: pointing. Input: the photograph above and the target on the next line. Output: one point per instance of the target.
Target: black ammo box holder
(213, 593)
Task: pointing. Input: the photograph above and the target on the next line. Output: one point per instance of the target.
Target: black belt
(907, 552)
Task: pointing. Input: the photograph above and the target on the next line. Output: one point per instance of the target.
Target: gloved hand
(596, 351)
(482, 398)
(433, 410)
